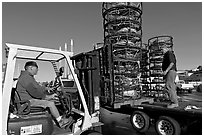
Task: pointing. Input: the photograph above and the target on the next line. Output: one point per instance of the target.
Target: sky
(53, 24)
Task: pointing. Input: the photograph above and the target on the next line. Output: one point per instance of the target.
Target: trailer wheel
(140, 121)
(167, 126)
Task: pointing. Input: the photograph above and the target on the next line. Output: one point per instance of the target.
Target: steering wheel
(64, 98)
(55, 85)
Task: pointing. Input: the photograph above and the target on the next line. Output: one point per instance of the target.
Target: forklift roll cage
(17, 51)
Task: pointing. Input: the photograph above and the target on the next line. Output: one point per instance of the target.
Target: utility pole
(60, 64)
(65, 63)
(71, 49)
(72, 45)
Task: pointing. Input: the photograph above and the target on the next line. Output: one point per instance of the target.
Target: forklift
(19, 118)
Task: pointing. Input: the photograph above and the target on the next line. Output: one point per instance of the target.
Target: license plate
(34, 129)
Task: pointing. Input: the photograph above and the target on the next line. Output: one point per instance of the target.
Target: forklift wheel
(140, 121)
(167, 126)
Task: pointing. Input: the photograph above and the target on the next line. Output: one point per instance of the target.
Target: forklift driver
(29, 89)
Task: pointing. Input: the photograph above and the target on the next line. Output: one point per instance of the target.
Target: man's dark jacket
(28, 88)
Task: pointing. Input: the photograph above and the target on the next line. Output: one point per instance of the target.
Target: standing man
(169, 72)
(29, 89)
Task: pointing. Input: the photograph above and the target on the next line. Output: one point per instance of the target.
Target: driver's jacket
(28, 88)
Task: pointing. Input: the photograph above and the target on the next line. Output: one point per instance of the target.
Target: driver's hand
(59, 88)
(53, 96)
(49, 90)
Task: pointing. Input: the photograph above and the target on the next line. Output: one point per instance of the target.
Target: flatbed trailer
(143, 110)
(168, 121)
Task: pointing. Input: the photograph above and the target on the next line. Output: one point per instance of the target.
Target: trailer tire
(140, 121)
(167, 126)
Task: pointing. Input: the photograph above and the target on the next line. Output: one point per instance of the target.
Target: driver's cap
(30, 63)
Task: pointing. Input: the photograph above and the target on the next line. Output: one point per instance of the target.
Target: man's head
(31, 67)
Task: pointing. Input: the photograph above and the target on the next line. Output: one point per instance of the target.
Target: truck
(19, 118)
(183, 87)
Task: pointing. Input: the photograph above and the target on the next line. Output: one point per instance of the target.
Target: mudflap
(39, 124)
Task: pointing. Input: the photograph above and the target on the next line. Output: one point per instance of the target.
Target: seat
(23, 106)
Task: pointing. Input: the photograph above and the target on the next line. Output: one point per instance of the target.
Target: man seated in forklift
(29, 89)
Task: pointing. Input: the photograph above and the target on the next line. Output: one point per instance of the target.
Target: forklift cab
(18, 117)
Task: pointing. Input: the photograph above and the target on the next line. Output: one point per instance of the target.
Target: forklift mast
(86, 68)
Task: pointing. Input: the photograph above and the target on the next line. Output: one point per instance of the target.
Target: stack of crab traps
(122, 41)
(157, 84)
(144, 69)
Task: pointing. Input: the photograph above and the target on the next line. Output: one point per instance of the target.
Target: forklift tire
(167, 126)
(140, 121)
